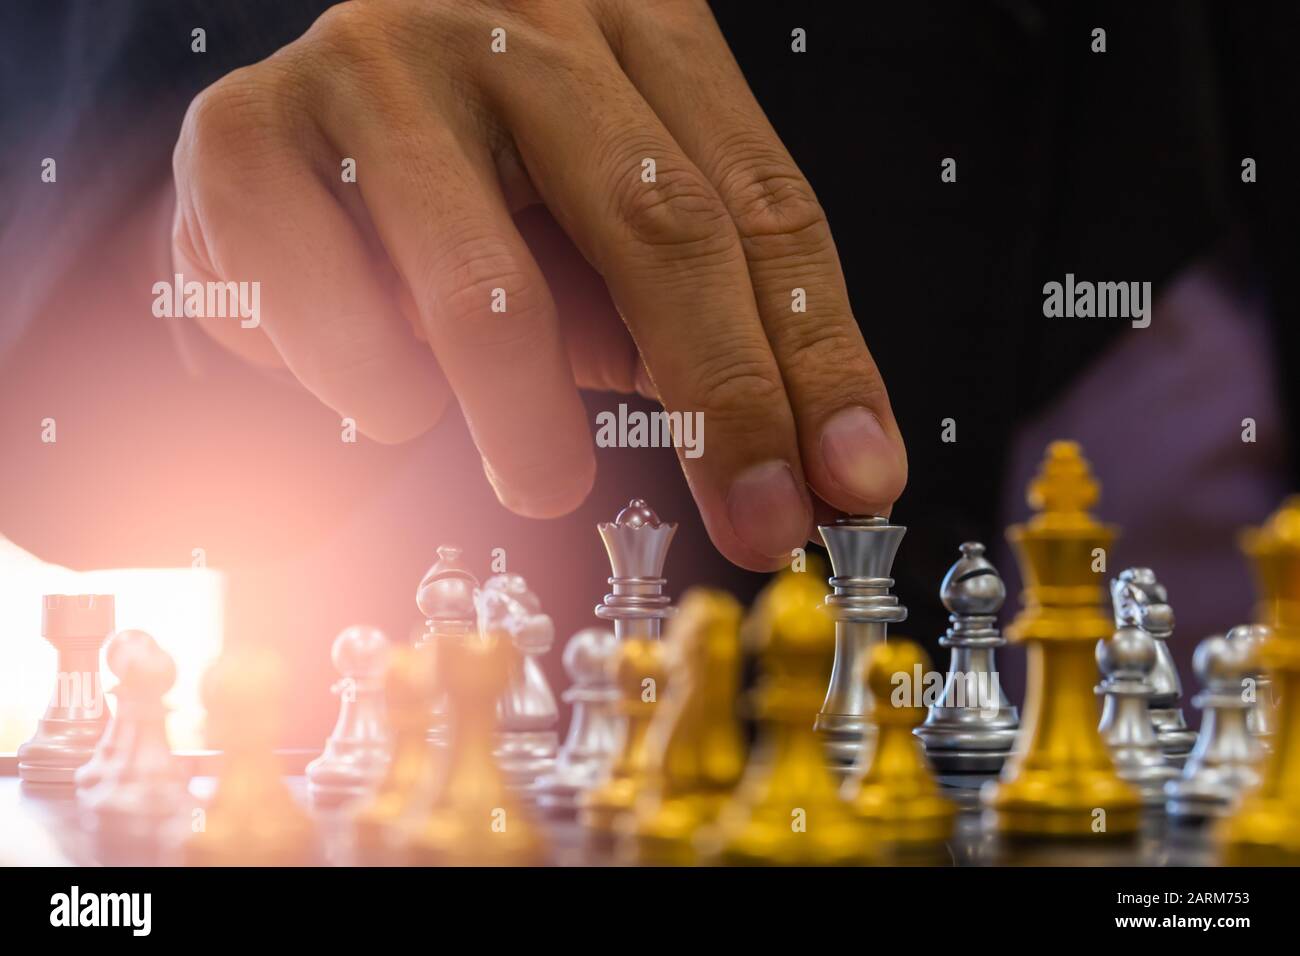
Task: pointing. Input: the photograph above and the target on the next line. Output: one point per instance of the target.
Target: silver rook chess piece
(1225, 760)
(77, 625)
(357, 753)
(862, 554)
(446, 598)
(1126, 661)
(972, 728)
(1261, 717)
(637, 544)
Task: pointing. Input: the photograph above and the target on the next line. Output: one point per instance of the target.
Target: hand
(449, 140)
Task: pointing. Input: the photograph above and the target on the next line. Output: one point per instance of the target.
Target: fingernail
(859, 456)
(767, 509)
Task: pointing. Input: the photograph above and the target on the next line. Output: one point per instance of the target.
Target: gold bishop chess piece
(697, 752)
(897, 795)
(1266, 827)
(787, 810)
(1060, 781)
(252, 818)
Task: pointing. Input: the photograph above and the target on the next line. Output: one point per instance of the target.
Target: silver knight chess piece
(973, 726)
(77, 625)
(357, 753)
(1140, 600)
(446, 598)
(1262, 715)
(637, 544)
(1126, 661)
(862, 553)
(1225, 761)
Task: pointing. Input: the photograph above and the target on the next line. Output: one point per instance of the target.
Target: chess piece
(446, 599)
(896, 794)
(526, 713)
(1126, 661)
(972, 728)
(475, 819)
(1266, 826)
(787, 809)
(862, 553)
(252, 818)
(1060, 780)
(594, 734)
(92, 771)
(76, 717)
(356, 754)
(637, 544)
(698, 754)
(1262, 715)
(1225, 762)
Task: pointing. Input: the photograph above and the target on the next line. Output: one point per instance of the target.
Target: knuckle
(486, 272)
(736, 387)
(680, 211)
(770, 199)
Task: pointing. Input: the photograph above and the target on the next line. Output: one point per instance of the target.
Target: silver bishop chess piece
(358, 750)
(446, 598)
(77, 625)
(862, 555)
(594, 734)
(1225, 761)
(972, 728)
(1126, 661)
(1262, 716)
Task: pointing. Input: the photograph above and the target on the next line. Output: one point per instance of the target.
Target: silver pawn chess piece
(972, 728)
(594, 734)
(115, 652)
(357, 753)
(1126, 661)
(1262, 716)
(446, 599)
(862, 554)
(77, 625)
(1225, 761)
(527, 714)
(637, 544)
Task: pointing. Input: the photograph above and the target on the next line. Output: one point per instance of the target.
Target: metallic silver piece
(594, 734)
(446, 599)
(1141, 601)
(359, 749)
(1262, 716)
(120, 646)
(973, 726)
(1225, 761)
(77, 715)
(637, 544)
(862, 554)
(1126, 661)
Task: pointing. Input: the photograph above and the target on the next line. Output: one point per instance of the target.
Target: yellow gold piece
(696, 753)
(787, 810)
(642, 680)
(252, 819)
(1266, 828)
(1060, 781)
(898, 795)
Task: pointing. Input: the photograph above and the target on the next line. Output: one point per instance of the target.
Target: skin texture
(377, 294)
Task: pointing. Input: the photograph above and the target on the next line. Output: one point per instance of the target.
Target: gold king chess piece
(787, 810)
(1266, 827)
(1060, 780)
(697, 756)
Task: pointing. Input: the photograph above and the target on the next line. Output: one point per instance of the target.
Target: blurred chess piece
(1126, 661)
(527, 714)
(1225, 762)
(787, 810)
(1060, 780)
(862, 554)
(964, 737)
(356, 754)
(896, 794)
(1262, 716)
(594, 734)
(697, 752)
(1266, 826)
(115, 651)
(446, 599)
(77, 625)
(252, 818)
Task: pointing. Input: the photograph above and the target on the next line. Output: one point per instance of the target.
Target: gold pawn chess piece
(787, 810)
(697, 751)
(410, 783)
(1266, 827)
(252, 818)
(1060, 780)
(897, 795)
(474, 819)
